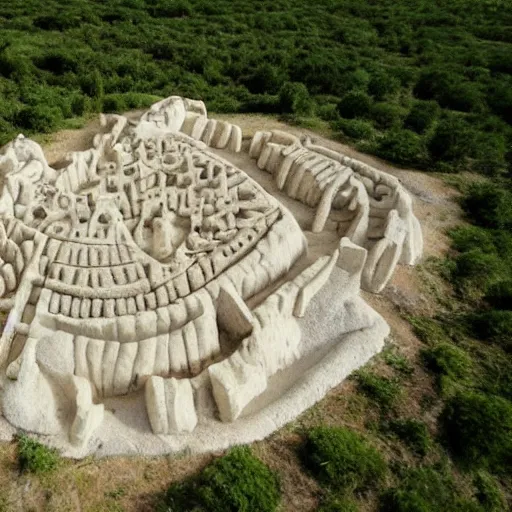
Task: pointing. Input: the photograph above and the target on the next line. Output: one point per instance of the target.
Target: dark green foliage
(236, 55)
(39, 118)
(338, 505)
(494, 326)
(356, 128)
(386, 115)
(499, 295)
(449, 363)
(399, 363)
(428, 330)
(422, 116)
(237, 482)
(452, 141)
(382, 84)
(413, 433)
(294, 99)
(383, 390)
(488, 492)
(355, 104)
(425, 489)
(489, 205)
(35, 457)
(447, 359)
(401, 146)
(342, 460)
(478, 429)
(474, 271)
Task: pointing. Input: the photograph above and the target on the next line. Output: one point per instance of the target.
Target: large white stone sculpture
(159, 299)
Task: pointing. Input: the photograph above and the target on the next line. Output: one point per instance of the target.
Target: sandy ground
(132, 483)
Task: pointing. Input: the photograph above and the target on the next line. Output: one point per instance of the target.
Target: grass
(237, 482)
(478, 430)
(34, 457)
(412, 432)
(384, 391)
(342, 460)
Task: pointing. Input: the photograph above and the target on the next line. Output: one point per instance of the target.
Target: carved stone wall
(150, 268)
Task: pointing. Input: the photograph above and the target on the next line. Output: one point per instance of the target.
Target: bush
(447, 359)
(35, 457)
(494, 326)
(402, 147)
(386, 115)
(39, 118)
(413, 433)
(294, 99)
(499, 295)
(355, 104)
(237, 482)
(356, 128)
(467, 238)
(426, 489)
(478, 429)
(338, 505)
(475, 271)
(488, 492)
(428, 330)
(488, 205)
(384, 391)
(422, 116)
(448, 362)
(342, 459)
(382, 84)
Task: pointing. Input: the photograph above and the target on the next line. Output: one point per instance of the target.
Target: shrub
(467, 238)
(447, 359)
(236, 482)
(342, 459)
(452, 140)
(488, 205)
(402, 146)
(338, 505)
(382, 84)
(425, 489)
(499, 295)
(422, 116)
(413, 433)
(39, 118)
(383, 390)
(428, 330)
(386, 115)
(493, 325)
(478, 429)
(488, 492)
(356, 128)
(474, 271)
(354, 104)
(294, 99)
(35, 457)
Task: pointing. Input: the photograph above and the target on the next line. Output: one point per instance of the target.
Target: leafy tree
(354, 104)
(294, 99)
(422, 116)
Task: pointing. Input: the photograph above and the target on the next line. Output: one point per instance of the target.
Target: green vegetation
(382, 390)
(430, 80)
(478, 429)
(342, 460)
(35, 457)
(413, 433)
(488, 493)
(425, 489)
(237, 482)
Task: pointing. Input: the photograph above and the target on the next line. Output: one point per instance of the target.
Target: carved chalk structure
(150, 270)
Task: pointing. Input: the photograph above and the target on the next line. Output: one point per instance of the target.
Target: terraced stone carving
(150, 267)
